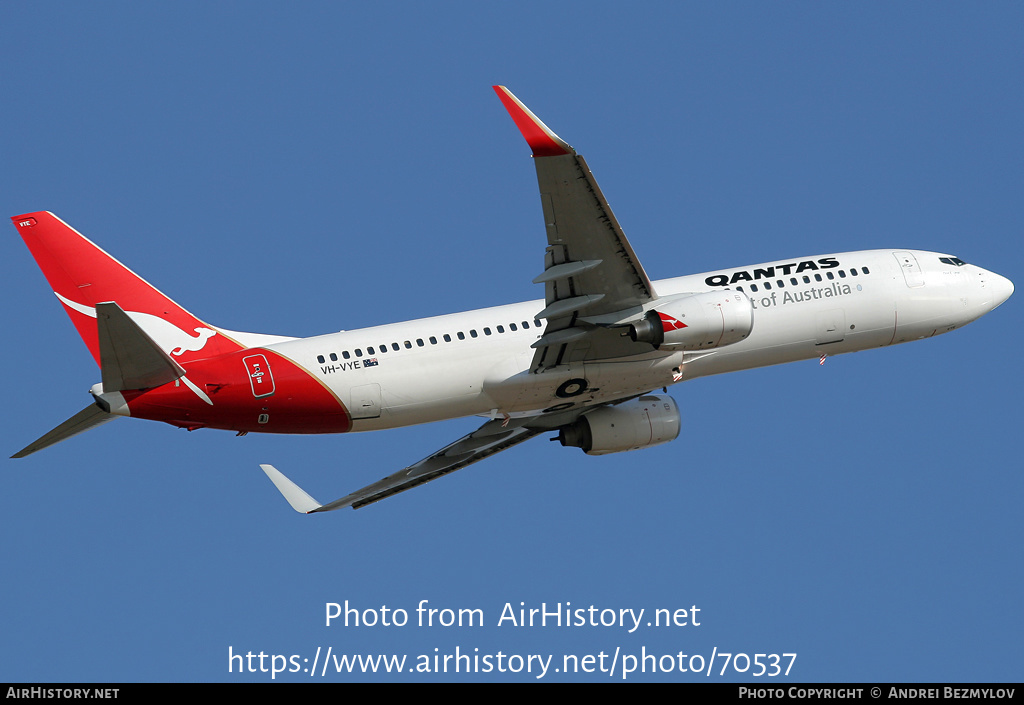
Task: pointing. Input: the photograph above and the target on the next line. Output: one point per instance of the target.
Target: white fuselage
(478, 362)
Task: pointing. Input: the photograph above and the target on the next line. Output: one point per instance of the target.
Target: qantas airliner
(591, 362)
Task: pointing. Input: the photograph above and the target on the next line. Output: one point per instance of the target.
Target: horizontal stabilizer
(85, 419)
(130, 359)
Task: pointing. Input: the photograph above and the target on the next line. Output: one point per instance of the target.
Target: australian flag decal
(370, 362)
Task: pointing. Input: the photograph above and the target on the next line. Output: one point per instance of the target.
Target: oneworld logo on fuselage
(772, 272)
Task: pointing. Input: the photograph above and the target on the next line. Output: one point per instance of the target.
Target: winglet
(539, 136)
(296, 496)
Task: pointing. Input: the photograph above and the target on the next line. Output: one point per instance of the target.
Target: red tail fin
(82, 275)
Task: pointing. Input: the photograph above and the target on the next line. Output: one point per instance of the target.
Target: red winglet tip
(539, 136)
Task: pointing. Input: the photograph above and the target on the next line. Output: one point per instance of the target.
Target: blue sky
(302, 170)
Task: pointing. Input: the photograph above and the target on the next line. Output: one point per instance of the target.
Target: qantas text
(776, 270)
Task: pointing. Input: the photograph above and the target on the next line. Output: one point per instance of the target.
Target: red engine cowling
(650, 420)
(697, 321)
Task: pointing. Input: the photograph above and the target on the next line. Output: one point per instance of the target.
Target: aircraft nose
(1001, 289)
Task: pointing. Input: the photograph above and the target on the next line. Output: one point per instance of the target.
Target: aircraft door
(365, 401)
(911, 269)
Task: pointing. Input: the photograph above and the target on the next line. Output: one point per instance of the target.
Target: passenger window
(462, 336)
(501, 329)
(344, 354)
(433, 340)
(320, 359)
(472, 333)
(369, 350)
(525, 325)
(487, 331)
(512, 326)
(447, 338)
(359, 352)
(334, 357)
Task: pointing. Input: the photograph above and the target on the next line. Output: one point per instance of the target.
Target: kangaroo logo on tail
(171, 339)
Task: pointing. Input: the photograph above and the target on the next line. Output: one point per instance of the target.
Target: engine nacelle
(697, 321)
(651, 420)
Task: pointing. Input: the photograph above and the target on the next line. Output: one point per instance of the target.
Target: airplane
(591, 362)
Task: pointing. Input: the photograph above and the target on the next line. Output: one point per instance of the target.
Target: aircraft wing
(487, 440)
(590, 269)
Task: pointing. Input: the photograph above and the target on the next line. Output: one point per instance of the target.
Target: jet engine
(650, 420)
(697, 321)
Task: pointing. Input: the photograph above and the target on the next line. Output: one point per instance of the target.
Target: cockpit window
(952, 260)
